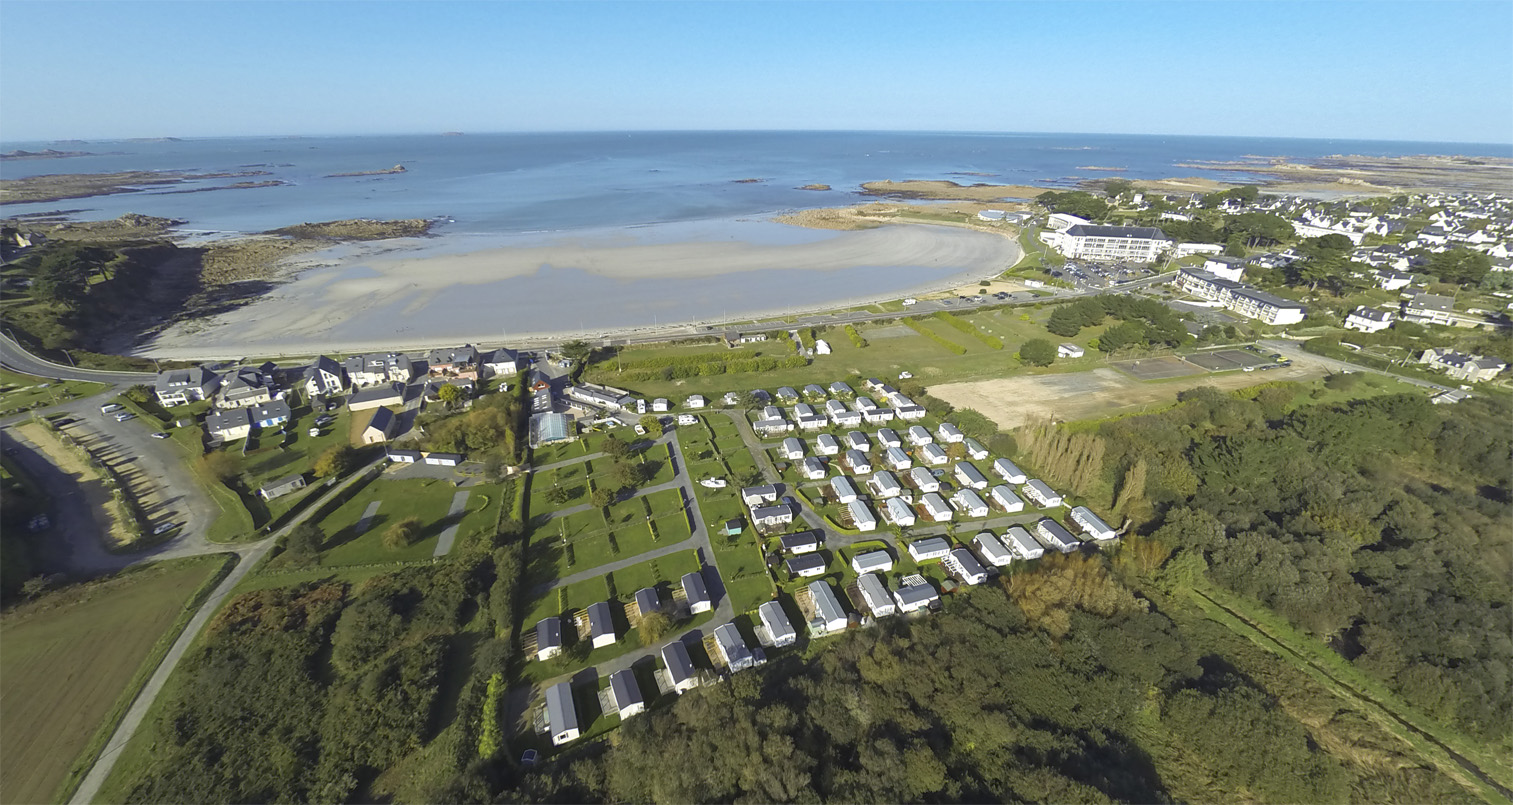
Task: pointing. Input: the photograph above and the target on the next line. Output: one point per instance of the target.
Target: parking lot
(1100, 275)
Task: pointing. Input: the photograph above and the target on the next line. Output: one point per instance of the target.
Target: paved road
(1292, 350)
(248, 557)
(14, 357)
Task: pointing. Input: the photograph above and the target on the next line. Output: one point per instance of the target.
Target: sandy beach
(412, 296)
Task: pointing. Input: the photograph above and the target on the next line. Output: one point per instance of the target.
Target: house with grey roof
(626, 694)
(678, 667)
(779, 631)
(696, 593)
(244, 388)
(324, 377)
(829, 617)
(181, 386)
(228, 425)
(1460, 366)
(601, 625)
(282, 486)
(561, 713)
(548, 637)
(732, 648)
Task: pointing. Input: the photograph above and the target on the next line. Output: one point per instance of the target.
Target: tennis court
(1226, 360)
(1162, 368)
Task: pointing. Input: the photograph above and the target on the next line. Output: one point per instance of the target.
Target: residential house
(875, 594)
(228, 425)
(964, 566)
(936, 507)
(1004, 498)
(548, 637)
(243, 389)
(1092, 524)
(771, 427)
(775, 621)
(324, 378)
(929, 549)
(813, 469)
(792, 449)
(1392, 280)
(844, 489)
(454, 362)
(376, 368)
(919, 437)
(807, 565)
(858, 462)
(872, 562)
(969, 475)
(827, 445)
(923, 480)
(1070, 351)
(626, 694)
(884, 484)
(647, 601)
(898, 513)
(281, 487)
(660, 405)
(1057, 535)
(787, 394)
(270, 415)
(813, 392)
(800, 543)
(861, 516)
(601, 625)
(916, 597)
(1018, 540)
(1369, 319)
(934, 455)
(897, 459)
(969, 504)
(856, 440)
(992, 550)
(561, 713)
(696, 401)
(1460, 366)
(380, 428)
(499, 362)
(888, 437)
(1007, 471)
(1430, 309)
(403, 456)
(180, 386)
(732, 648)
(696, 594)
(376, 397)
(829, 617)
(1041, 495)
(975, 450)
(772, 515)
(754, 496)
(679, 667)
(949, 434)
(839, 388)
(1229, 268)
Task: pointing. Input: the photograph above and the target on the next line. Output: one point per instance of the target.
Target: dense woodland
(1379, 526)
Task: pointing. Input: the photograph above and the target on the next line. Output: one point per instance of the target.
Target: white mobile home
(813, 469)
(888, 437)
(772, 515)
(856, 440)
(778, 628)
(872, 562)
(548, 638)
(862, 516)
(1018, 540)
(845, 491)
(858, 461)
(899, 513)
(696, 593)
(875, 415)
(807, 566)
(732, 648)
(805, 409)
(1041, 495)
(827, 445)
(970, 476)
(923, 480)
(829, 617)
(802, 542)
(915, 597)
(601, 626)
(992, 550)
(757, 495)
(772, 412)
(626, 693)
(1091, 524)
(793, 449)
(561, 713)
(965, 566)
(647, 601)
(814, 392)
(934, 455)
(884, 484)
(838, 388)
(1004, 498)
(926, 550)
(948, 433)
(969, 504)
(865, 404)
(680, 670)
(975, 450)
(875, 593)
(771, 427)
(812, 422)
(897, 459)
(919, 437)
(936, 507)
(1057, 535)
(1008, 472)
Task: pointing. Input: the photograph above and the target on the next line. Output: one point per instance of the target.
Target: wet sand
(604, 285)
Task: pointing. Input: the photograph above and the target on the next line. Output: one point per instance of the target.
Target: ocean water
(518, 183)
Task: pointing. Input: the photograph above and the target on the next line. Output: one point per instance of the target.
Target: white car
(160, 435)
(905, 375)
(125, 416)
(164, 528)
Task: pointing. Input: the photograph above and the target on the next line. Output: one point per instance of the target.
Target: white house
(856, 440)
(1057, 535)
(1070, 351)
(884, 484)
(771, 427)
(772, 515)
(934, 455)
(1018, 540)
(732, 648)
(969, 504)
(888, 437)
(695, 593)
(970, 476)
(949, 434)
(875, 594)
(915, 597)
(324, 377)
(180, 386)
(827, 445)
(626, 693)
(926, 550)
(829, 617)
(919, 437)
(793, 449)
(561, 713)
(660, 405)
(758, 495)
(1041, 495)
(807, 565)
(975, 450)
(963, 565)
(1108, 244)
(1230, 268)
(679, 667)
(992, 550)
(601, 626)
(1460, 366)
(1369, 319)
(936, 507)
(1091, 524)
(228, 425)
(821, 346)
(548, 637)
(800, 543)
(839, 388)
(844, 490)
(813, 469)
(858, 462)
(897, 459)
(861, 516)
(696, 401)
(1004, 498)
(872, 562)
(814, 392)
(898, 513)
(776, 622)
(923, 480)
(1008, 472)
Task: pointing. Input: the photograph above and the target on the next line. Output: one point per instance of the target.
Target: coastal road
(14, 357)
(1290, 349)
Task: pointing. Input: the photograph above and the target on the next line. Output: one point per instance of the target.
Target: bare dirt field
(1162, 368)
(1013, 401)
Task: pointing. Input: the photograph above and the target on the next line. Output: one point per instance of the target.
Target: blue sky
(1440, 71)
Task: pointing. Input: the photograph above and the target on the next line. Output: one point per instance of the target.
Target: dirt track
(1013, 401)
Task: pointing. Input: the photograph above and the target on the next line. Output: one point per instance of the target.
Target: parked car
(164, 528)
(125, 416)
(160, 435)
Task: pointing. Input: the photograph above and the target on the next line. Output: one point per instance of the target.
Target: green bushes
(710, 365)
(970, 329)
(856, 337)
(955, 348)
(806, 337)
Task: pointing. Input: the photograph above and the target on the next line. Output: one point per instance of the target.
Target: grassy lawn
(72, 663)
(579, 595)
(20, 392)
(590, 548)
(272, 455)
(428, 499)
(234, 520)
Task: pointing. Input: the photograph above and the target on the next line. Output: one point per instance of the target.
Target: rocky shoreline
(60, 186)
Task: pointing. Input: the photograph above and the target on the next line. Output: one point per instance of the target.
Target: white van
(110, 408)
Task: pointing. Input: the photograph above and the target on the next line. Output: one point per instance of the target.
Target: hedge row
(715, 368)
(856, 337)
(970, 329)
(697, 359)
(954, 347)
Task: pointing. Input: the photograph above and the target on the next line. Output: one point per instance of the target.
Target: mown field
(67, 660)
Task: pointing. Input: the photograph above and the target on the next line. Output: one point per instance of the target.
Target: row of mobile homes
(1041, 495)
(696, 594)
(1057, 535)
(1004, 498)
(1008, 472)
(626, 693)
(992, 550)
(862, 517)
(1018, 540)
(776, 622)
(898, 513)
(963, 565)
(929, 549)
(875, 593)
(1091, 524)
(829, 617)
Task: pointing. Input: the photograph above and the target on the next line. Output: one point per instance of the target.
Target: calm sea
(512, 183)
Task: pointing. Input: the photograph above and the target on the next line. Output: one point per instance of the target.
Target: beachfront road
(17, 359)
